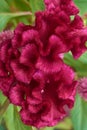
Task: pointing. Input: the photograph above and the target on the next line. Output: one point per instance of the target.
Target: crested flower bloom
(41, 84)
(32, 72)
(82, 88)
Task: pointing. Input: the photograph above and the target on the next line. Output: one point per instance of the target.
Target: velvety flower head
(36, 80)
(82, 88)
(32, 72)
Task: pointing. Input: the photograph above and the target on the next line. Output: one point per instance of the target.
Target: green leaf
(82, 4)
(19, 5)
(2, 98)
(9, 118)
(13, 9)
(79, 65)
(18, 123)
(2, 128)
(4, 7)
(3, 105)
(6, 17)
(79, 114)
(36, 5)
(13, 121)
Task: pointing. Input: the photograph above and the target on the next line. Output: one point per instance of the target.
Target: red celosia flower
(35, 80)
(32, 72)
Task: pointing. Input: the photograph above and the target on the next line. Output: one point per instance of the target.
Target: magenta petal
(29, 35)
(68, 92)
(66, 74)
(25, 116)
(48, 65)
(34, 108)
(37, 85)
(17, 39)
(16, 95)
(3, 71)
(77, 22)
(6, 84)
(29, 55)
(70, 8)
(5, 36)
(33, 101)
(50, 4)
(56, 43)
(21, 72)
(3, 52)
(52, 116)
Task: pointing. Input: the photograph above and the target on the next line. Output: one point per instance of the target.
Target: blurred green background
(13, 12)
